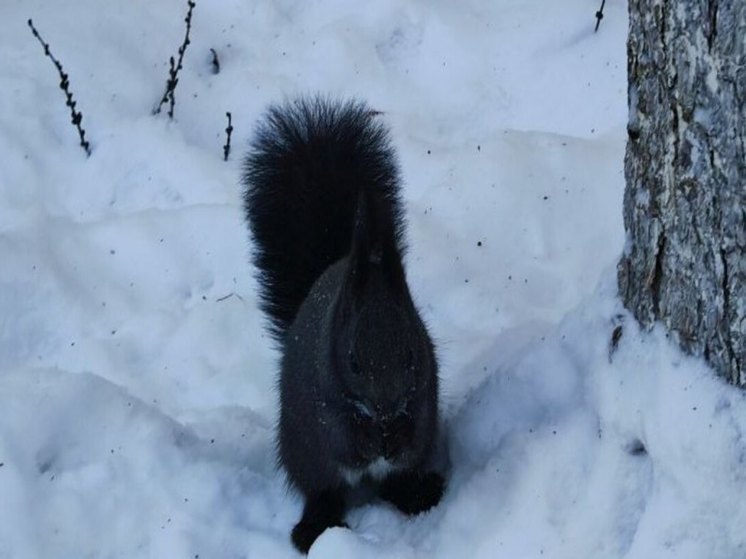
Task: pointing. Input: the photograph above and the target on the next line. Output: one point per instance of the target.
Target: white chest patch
(378, 469)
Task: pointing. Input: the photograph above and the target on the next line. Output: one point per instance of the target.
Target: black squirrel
(359, 378)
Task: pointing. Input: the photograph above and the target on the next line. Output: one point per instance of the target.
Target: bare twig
(228, 131)
(599, 15)
(215, 62)
(225, 297)
(76, 116)
(174, 67)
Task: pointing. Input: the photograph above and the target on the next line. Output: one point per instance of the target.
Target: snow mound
(137, 401)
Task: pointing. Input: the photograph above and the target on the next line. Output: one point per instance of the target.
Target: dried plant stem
(76, 116)
(175, 66)
(228, 131)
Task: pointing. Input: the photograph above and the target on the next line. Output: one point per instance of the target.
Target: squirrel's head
(382, 355)
(383, 360)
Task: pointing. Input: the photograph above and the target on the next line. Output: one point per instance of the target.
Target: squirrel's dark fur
(358, 380)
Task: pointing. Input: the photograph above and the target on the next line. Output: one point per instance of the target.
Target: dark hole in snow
(636, 448)
(616, 335)
(45, 465)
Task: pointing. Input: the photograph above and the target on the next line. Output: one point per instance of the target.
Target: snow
(137, 397)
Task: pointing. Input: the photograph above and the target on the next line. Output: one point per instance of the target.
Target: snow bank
(137, 394)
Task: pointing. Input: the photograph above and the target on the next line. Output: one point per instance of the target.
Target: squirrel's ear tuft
(374, 243)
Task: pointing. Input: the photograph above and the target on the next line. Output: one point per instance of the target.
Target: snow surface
(137, 396)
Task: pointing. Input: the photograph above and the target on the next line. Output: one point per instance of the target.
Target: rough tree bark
(685, 168)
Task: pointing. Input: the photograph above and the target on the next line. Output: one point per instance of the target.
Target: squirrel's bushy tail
(309, 164)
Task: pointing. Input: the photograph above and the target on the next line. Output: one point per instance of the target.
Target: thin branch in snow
(76, 116)
(215, 62)
(174, 67)
(225, 297)
(228, 131)
(599, 15)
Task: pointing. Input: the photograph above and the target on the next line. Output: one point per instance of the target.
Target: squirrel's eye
(403, 410)
(354, 365)
(363, 409)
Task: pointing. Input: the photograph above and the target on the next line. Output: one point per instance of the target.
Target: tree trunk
(685, 167)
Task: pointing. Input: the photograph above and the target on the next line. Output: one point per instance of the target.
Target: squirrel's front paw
(413, 492)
